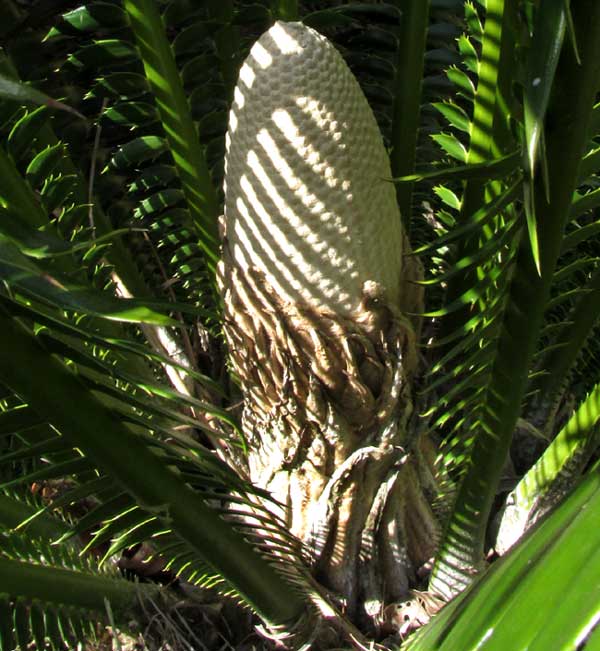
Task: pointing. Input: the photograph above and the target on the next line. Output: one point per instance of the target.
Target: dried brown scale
(303, 348)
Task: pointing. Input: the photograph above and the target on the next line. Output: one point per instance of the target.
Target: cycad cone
(312, 279)
(308, 200)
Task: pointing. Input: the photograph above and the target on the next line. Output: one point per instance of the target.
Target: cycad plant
(301, 297)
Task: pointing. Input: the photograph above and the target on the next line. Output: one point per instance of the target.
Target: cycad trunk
(314, 282)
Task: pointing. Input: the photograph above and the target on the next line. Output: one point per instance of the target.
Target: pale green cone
(308, 196)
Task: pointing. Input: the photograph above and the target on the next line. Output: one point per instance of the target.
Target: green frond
(69, 323)
(168, 497)
(412, 38)
(475, 223)
(29, 516)
(53, 597)
(546, 44)
(16, 91)
(151, 123)
(554, 473)
(558, 358)
(180, 131)
(544, 593)
(51, 593)
(526, 295)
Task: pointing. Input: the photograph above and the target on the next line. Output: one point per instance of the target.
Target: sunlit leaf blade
(451, 145)
(549, 31)
(468, 52)
(95, 15)
(180, 130)
(17, 91)
(22, 274)
(137, 151)
(455, 115)
(475, 221)
(532, 226)
(573, 445)
(515, 604)
(498, 168)
(447, 196)
(462, 81)
(43, 164)
(406, 107)
(473, 21)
